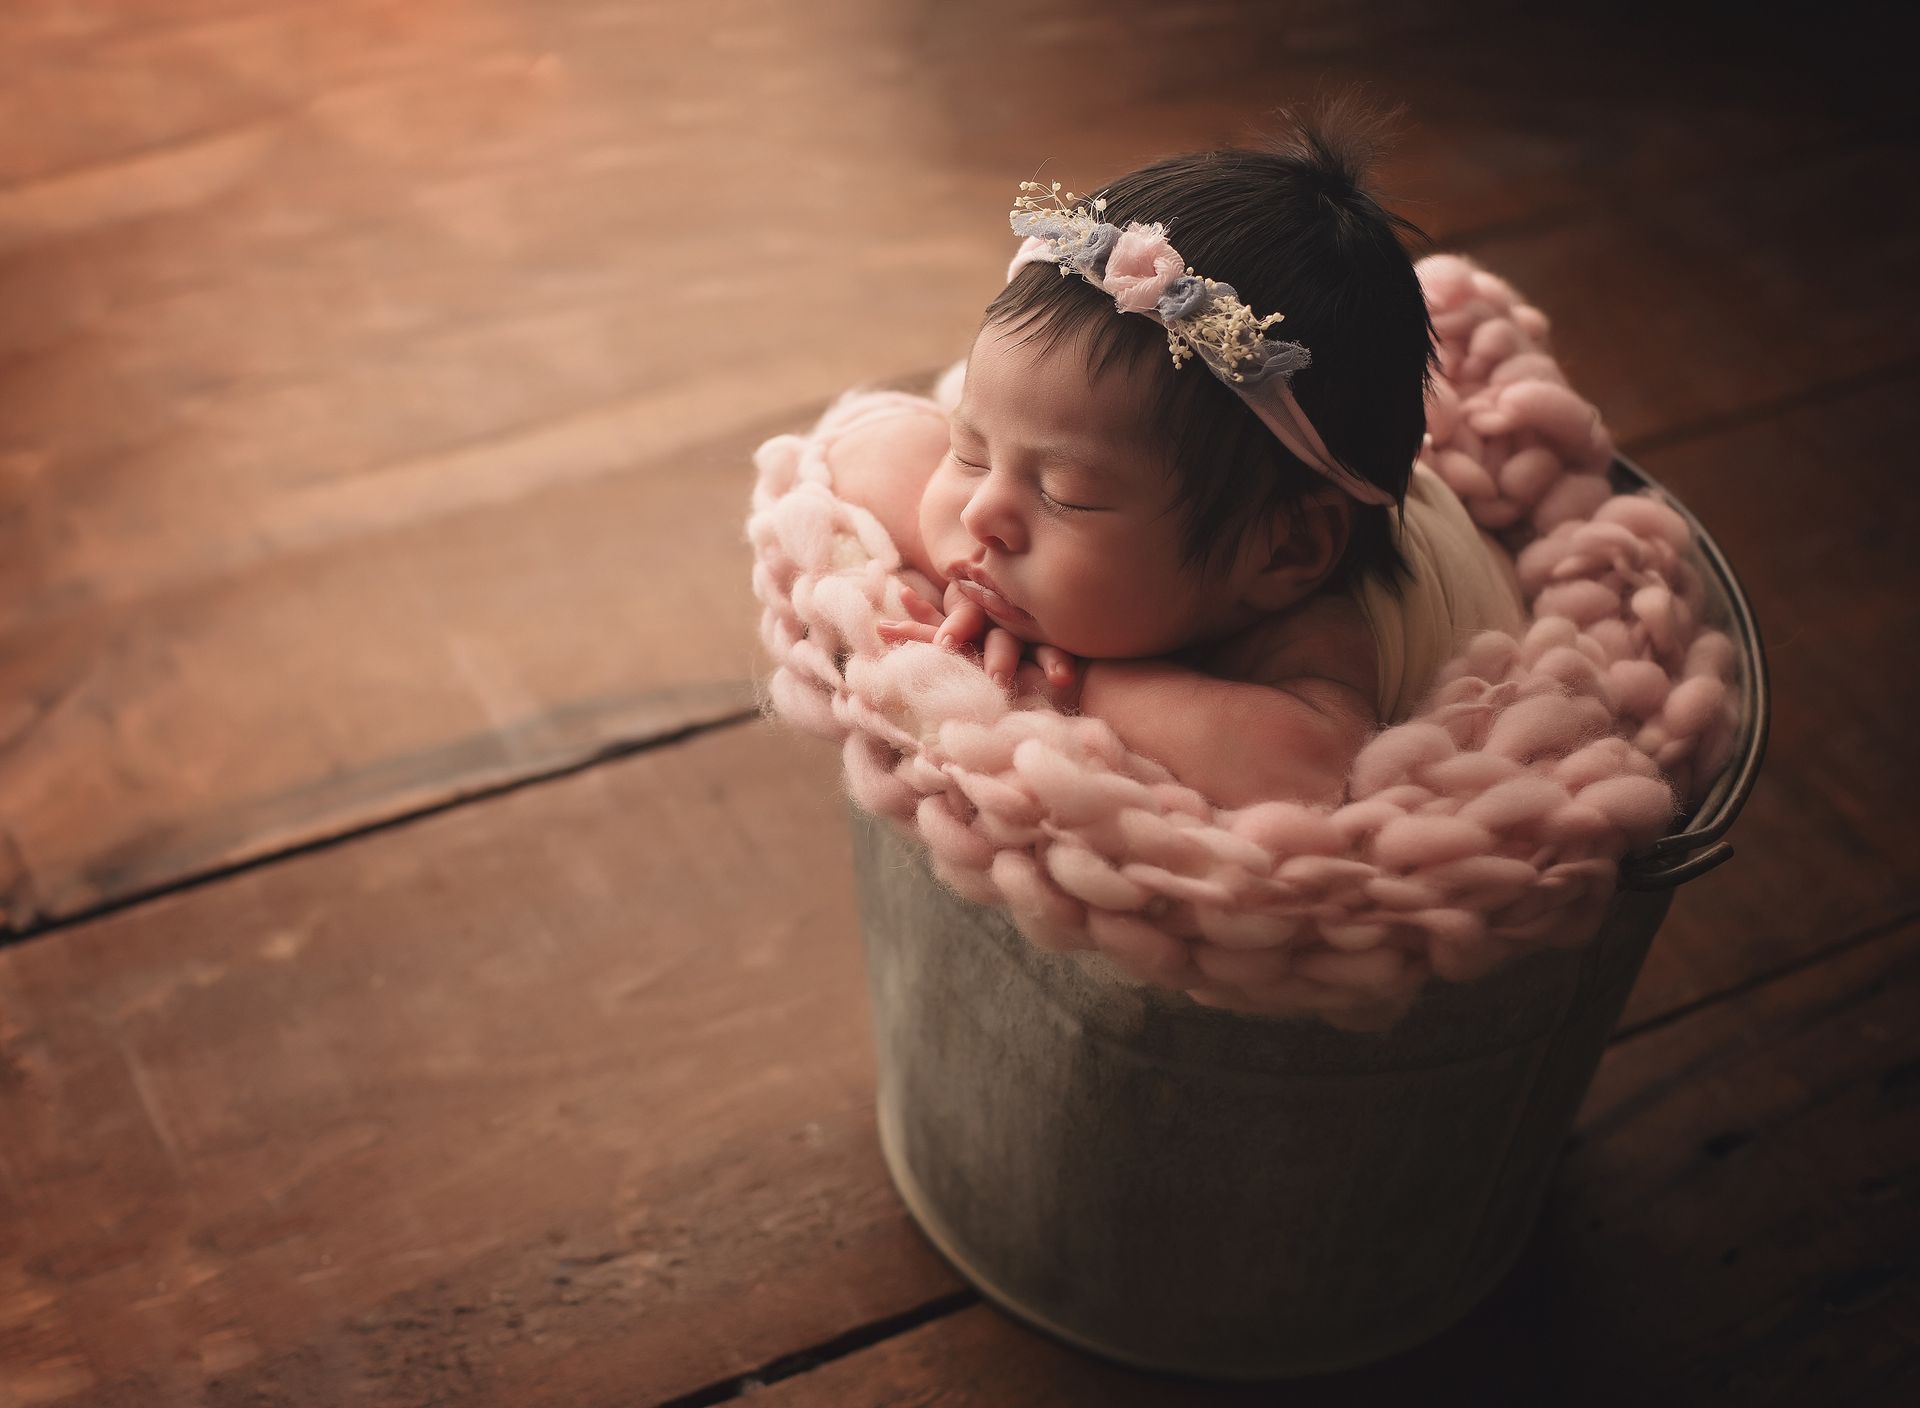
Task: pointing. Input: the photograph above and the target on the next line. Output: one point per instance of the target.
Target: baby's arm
(1234, 742)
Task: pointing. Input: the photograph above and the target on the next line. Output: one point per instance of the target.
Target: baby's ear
(1301, 543)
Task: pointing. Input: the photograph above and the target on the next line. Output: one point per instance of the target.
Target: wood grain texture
(564, 1095)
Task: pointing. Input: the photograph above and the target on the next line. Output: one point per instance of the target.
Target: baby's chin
(1095, 645)
(1029, 631)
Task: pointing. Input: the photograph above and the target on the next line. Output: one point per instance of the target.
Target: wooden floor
(426, 979)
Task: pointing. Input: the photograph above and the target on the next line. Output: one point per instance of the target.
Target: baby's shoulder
(1322, 650)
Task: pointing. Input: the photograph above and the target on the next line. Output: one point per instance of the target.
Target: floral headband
(1203, 317)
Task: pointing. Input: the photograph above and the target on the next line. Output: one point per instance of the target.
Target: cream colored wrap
(1463, 583)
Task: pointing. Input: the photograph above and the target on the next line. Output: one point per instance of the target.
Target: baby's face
(1048, 492)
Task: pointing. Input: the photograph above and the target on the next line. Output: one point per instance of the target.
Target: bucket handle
(1669, 861)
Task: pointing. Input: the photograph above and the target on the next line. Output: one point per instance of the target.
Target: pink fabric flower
(1031, 248)
(1140, 268)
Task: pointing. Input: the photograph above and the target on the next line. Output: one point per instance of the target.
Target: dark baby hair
(1289, 224)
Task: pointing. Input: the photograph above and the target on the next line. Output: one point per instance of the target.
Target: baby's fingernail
(1000, 678)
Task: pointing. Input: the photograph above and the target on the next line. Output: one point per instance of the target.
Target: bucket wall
(1186, 1189)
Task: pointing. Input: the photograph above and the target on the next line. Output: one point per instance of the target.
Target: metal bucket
(1185, 1189)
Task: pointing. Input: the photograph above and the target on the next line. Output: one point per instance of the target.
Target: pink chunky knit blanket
(1492, 821)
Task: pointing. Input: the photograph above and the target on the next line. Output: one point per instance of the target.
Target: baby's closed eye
(1051, 497)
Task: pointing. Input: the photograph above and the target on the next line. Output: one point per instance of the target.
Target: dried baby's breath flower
(1223, 332)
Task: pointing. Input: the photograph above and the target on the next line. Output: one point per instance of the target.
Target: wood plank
(1762, 1154)
(86, 86)
(330, 689)
(538, 1098)
(1734, 1223)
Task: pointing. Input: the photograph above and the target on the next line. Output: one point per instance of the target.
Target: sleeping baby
(1238, 566)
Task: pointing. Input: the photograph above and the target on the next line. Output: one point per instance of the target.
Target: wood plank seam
(1838, 948)
(1708, 176)
(802, 1361)
(1806, 398)
(11, 934)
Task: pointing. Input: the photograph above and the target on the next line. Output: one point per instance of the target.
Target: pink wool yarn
(1490, 822)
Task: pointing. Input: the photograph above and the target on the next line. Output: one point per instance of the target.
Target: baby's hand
(1052, 672)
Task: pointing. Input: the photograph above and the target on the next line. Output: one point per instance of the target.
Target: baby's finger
(920, 608)
(962, 625)
(1000, 655)
(1059, 665)
(904, 630)
(1030, 679)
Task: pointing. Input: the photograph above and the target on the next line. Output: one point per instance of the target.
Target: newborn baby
(1210, 566)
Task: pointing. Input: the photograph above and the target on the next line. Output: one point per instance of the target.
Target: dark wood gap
(606, 753)
(801, 1361)
(265, 116)
(1760, 980)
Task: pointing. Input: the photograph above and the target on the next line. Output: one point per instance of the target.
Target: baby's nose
(992, 519)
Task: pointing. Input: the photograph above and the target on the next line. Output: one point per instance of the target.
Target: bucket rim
(1679, 856)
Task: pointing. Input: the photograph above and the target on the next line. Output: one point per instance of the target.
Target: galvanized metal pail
(1186, 1189)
